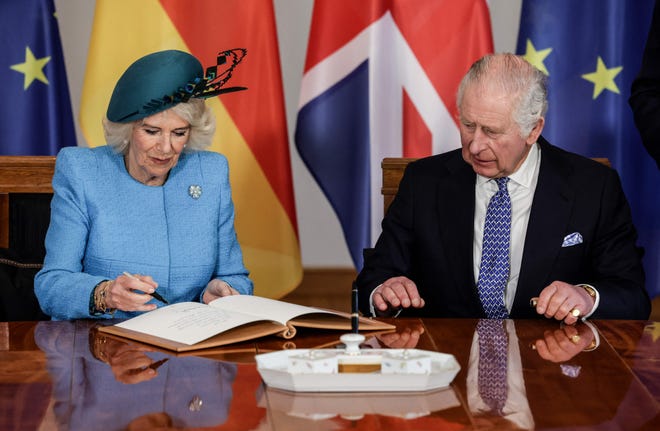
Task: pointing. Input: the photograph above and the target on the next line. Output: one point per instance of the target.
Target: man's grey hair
(515, 76)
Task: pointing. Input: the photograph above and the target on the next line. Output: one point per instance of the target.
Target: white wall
(321, 239)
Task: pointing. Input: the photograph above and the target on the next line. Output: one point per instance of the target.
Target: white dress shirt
(521, 186)
(516, 408)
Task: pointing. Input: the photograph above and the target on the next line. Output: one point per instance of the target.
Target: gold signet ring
(575, 339)
(575, 312)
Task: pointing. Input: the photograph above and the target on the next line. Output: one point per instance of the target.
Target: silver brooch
(195, 191)
(195, 404)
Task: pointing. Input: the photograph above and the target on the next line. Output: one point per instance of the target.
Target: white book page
(266, 308)
(187, 322)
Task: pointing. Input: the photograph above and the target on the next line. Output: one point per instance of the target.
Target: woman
(149, 213)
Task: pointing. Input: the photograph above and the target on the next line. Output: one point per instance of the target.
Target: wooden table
(53, 376)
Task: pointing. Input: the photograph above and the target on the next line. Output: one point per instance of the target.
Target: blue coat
(104, 222)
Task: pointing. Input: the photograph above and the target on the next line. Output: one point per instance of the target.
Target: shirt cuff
(596, 301)
(596, 341)
(372, 309)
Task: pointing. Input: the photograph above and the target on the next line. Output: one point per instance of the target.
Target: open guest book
(192, 325)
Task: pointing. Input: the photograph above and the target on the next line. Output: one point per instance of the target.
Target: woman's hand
(130, 364)
(128, 361)
(217, 289)
(127, 293)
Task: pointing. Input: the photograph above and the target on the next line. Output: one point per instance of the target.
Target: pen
(354, 309)
(155, 365)
(154, 294)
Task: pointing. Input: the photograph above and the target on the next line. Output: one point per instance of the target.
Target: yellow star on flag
(535, 58)
(603, 78)
(33, 68)
(654, 330)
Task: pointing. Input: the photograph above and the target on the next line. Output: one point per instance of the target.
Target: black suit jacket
(428, 231)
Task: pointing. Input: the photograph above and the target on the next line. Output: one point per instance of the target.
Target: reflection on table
(101, 383)
(65, 375)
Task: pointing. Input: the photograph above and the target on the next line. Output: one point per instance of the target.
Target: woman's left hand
(217, 289)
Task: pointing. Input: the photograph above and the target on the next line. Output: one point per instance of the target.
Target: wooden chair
(393, 168)
(25, 194)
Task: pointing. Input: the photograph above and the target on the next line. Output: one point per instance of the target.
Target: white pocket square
(572, 239)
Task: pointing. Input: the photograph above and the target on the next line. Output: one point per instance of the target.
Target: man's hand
(564, 343)
(406, 338)
(396, 293)
(563, 301)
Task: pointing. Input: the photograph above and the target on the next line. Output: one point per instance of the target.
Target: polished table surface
(66, 376)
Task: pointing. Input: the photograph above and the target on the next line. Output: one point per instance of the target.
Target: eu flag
(35, 112)
(591, 51)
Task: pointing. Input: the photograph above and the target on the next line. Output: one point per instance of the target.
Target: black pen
(155, 365)
(355, 317)
(154, 294)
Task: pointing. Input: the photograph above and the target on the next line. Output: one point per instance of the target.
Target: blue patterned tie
(494, 270)
(493, 346)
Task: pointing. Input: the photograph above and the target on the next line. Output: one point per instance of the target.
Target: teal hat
(160, 80)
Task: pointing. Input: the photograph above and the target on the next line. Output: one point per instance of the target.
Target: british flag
(380, 80)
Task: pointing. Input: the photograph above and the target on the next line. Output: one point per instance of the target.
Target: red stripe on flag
(259, 112)
(447, 36)
(417, 138)
(336, 22)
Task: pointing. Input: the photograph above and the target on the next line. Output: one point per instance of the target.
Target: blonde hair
(195, 112)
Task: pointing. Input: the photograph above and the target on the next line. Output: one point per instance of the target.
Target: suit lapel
(548, 221)
(455, 209)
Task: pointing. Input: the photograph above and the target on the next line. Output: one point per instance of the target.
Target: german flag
(251, 125)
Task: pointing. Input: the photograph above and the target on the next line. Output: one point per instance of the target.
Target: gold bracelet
(97, 345)
(111, 311)
(97, 297)
(99, 300)
(100, 295)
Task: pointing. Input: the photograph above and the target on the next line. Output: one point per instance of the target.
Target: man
(557, 235)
